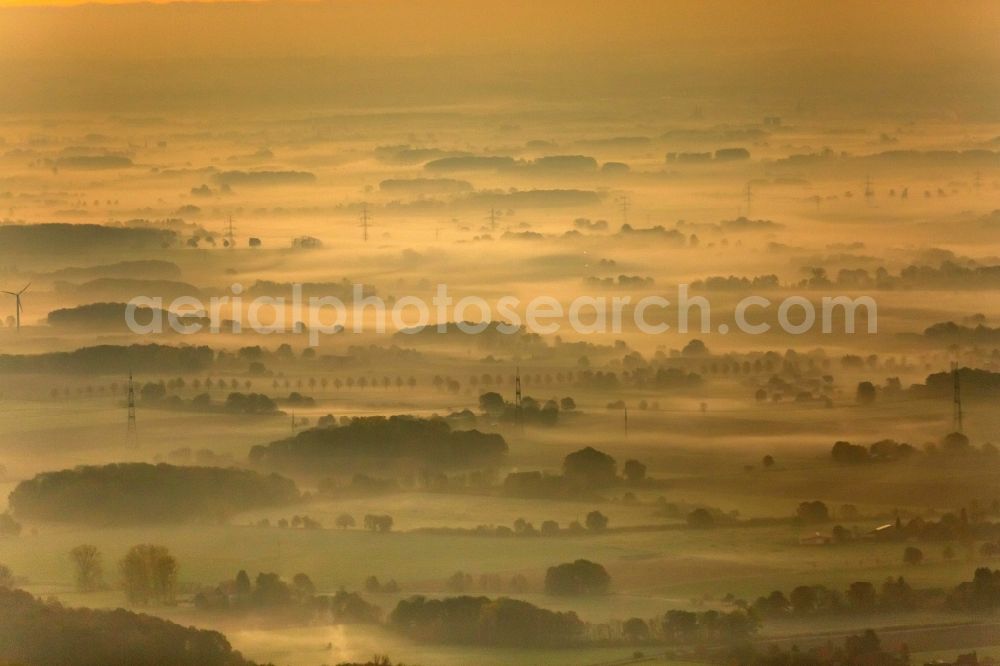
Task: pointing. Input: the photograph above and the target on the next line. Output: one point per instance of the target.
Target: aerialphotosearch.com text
(317, 316)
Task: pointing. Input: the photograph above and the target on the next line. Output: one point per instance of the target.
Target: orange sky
(36, 3)
(71, 55)
(911, 28)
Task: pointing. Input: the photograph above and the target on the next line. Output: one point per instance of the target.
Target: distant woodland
(396, 439)
(33, 631)
(134, 493)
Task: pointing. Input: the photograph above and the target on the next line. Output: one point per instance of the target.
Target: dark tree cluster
(250, 403)
(48, 634)
(149, 575)
(711, 627)
(378, 439)
(590, 468)
(82, 238)
(463, 583)
(885, 450)
(668, 379)
(137, 493)
(110, 316)
(701, 518)
(957, 527)
(374, 586)
(296, 399)
(641, 376)
(813, 512)
(88, 568)
(585, 473)
(378, 523)
(977, 383)
(980, 594)
(595, 523)
(864, 649)
(294, 601)
(111, 359)
(577, 578)
(360, 485)
(736, 283)
(155, 394)
(304, 522)
(533, 412)
(948, 275)
(483, 621)
(894, 595)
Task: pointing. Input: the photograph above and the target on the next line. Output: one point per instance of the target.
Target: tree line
(295, 601)
(376, 438)
(137, 493)
(46, 633)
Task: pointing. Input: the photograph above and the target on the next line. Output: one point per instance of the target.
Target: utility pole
(749, 196)
(626, 421)
(869, 192)
(131, 434)
(493, 219)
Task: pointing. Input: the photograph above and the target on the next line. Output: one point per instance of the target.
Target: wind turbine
(18, 308)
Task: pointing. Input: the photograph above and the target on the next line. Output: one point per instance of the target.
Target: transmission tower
(869, 192)
(518, 414)
(625, 203)
(230, 236)
(956, 411)
(626, 421)
(749, 196)
(493, 219)
(131, 434)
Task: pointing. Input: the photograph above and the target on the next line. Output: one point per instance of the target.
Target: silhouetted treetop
(48, 634)
(377, 438)
(482, 621)
(112, 359)
(129, 493)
